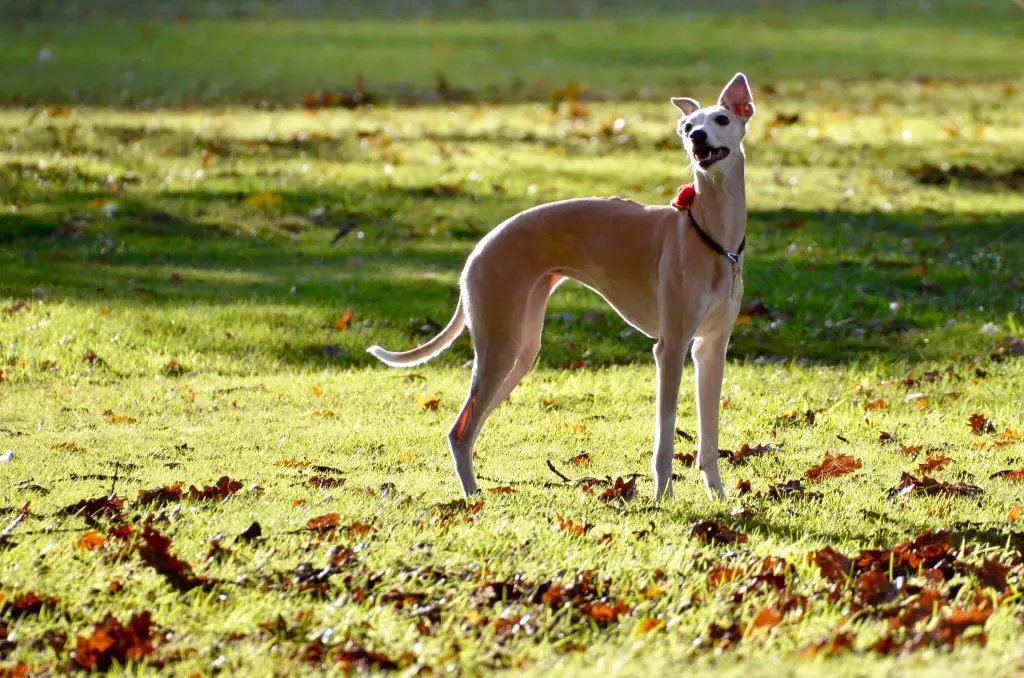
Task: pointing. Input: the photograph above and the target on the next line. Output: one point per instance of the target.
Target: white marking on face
(711, 135)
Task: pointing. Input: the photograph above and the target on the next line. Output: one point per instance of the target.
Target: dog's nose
(698, 136)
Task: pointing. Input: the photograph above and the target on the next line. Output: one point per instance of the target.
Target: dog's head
(712, 136)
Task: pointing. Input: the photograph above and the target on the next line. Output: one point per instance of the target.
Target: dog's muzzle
(707, 156)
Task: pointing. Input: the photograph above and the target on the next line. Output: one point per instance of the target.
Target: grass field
(187, 289)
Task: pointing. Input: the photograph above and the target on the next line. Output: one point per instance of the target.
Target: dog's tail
(422, 354)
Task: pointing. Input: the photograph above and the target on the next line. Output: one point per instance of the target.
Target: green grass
(170, 319)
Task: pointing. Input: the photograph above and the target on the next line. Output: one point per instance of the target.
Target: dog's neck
(720, 206)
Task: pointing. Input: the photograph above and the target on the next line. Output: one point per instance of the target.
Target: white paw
(713, 485)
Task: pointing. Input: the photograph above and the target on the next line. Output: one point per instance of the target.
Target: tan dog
(672, 273)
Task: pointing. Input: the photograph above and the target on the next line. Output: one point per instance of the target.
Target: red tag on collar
(684, 197)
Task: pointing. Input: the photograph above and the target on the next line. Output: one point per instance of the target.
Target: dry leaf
(428, 401)
(90, 540)
(343, 321)
(833, 467)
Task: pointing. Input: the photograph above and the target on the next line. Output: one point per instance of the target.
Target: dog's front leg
(668, 357)
(709, 359)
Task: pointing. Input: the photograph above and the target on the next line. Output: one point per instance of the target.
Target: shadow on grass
(833, 286)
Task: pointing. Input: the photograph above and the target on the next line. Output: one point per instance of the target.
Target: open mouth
(707, 156)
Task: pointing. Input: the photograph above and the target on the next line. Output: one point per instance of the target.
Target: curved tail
(422, 354)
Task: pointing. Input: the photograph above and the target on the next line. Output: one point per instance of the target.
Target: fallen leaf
(318, 392)
(623, 490)
(834, 566)
(581, 459)
(875, 405)
(428, 401)
(979, 424)
(1013, 515)
(766, 618)
(112, 642)
(833, 466)
(837, 644)
(324, 523)
(324, 483)
(930, 487)
(155, 552)
(90, 540)
(649, 624)
(501, 490)
(936, 463)
(343, 321)
(1008, 475)
(572, 527)
(710, 532)
(120, 419)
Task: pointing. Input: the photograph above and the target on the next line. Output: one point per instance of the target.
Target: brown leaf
(992, 574)
(161, 495)
(979, 424)
(91, 509)
(1013, 515)
(623, 490)
(324, 483)
(791, 489)
(839, 643)
(224, 488)
(833, 467)
(324, 523)
(1008, 474)
(710, 532)
(936, 463)
(575, 529)
(930, 487)
(155, 552)
(292, 463)
(581, 459)
(428, 401)
(876, 405)
(766, 618)
(112, 642)
(343, 321)
(254, 531)
(685, 459)
(649, 624)
(90, 540)
(746, 451)
(834, 566)
(27, 604)
(605, 613)
(354, 658)
(120, 419)
(505, 489)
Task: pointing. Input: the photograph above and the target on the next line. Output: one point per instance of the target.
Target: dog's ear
(687, 106)
(737, 98)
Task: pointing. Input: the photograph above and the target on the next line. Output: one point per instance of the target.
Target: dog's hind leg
(496, 341)
(490, 368)
(533, 325)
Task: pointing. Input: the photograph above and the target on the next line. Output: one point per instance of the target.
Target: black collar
(734, 257)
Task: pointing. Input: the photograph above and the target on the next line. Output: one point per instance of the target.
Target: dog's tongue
(684, 196)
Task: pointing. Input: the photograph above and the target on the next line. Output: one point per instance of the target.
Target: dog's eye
(687, 127)
(722, 120)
